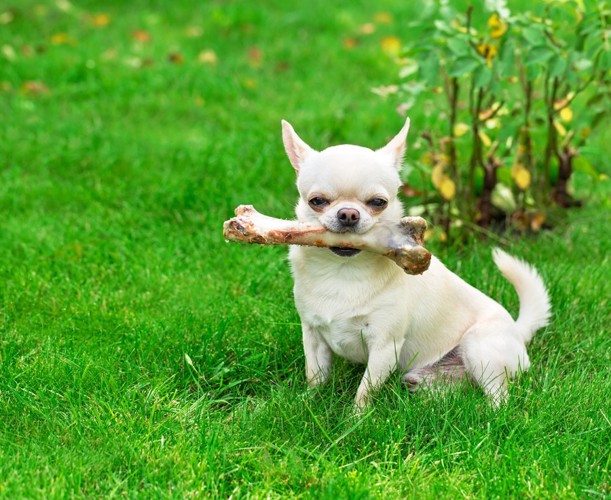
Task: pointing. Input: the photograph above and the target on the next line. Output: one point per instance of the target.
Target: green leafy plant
(503, 139)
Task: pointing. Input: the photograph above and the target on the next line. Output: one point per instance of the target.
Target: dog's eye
(318, 202)
(377, 202)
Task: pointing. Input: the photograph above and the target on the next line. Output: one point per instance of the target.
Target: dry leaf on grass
(349, 43)
(207, 57)
(34, 87)
(176, 58)
(391, 45)
(382, 18)
(367, 29)
(255, 57)
(141, 36)
(100, 20)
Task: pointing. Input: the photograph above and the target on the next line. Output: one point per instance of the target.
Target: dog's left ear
(395, 149)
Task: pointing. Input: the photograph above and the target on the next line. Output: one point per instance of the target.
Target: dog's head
(347, 188)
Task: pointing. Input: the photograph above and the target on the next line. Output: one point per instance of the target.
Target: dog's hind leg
(492, 352)
(449, 369)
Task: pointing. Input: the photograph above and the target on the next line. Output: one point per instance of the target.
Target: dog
(363, 307)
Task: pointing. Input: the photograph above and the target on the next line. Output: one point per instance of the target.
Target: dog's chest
(347, 338)
(344, 304)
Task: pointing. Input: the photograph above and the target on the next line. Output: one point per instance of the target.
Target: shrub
(500, 93)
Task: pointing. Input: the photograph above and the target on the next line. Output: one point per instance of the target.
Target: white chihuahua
(363, 307)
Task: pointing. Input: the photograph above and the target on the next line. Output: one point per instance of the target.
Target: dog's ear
(296, 149)
(395, 149)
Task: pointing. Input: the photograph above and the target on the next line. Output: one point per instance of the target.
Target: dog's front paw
(361, 410)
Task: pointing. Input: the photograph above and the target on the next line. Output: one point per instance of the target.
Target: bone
(400, 241)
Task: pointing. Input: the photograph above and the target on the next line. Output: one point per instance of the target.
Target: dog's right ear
(296, 149)
(395, 149)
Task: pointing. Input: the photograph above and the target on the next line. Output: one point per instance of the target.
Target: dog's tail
(535, 306)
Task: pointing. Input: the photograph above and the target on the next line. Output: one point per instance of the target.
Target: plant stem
(476, 152)
(525, 137)
(552, 139)
(490, 181)
(565, 170)
(453, 101)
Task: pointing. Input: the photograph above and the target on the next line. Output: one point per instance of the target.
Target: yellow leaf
(521, 176)
(497, 108)
(457, 26)
(560, 128)
(485, 139)
(385, 90)
(207, 57)
(566, 114)
(460, 129)
(255, 56)
(437, 176)
(382, 18)
(100, 20)
(141, 36)
(562, 103)
(367, 29)
(497, 26)
(391, 45)
(350, 43)
(7, 17)
(537, 221)
(134, 62)
(62, 39)
(33, 87)
(9, 52)
(427, 158)
(488, 51)
(441, 159)
(447, 188)
(64, 5)
(502, 198)
(194, 31)
(493, 123)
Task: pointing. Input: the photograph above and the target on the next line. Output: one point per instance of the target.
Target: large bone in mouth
(401, 241)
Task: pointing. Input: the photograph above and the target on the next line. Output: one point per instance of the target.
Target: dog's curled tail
(535, 306)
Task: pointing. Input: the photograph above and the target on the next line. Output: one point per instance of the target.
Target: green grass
(142, 356)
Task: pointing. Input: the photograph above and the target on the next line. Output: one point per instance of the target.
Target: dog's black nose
(348, 216)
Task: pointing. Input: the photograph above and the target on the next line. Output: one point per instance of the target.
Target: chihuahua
(363, 307)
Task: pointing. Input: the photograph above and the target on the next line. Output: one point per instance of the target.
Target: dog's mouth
(344, 252)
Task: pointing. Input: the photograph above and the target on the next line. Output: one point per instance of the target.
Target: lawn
(142, 356)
